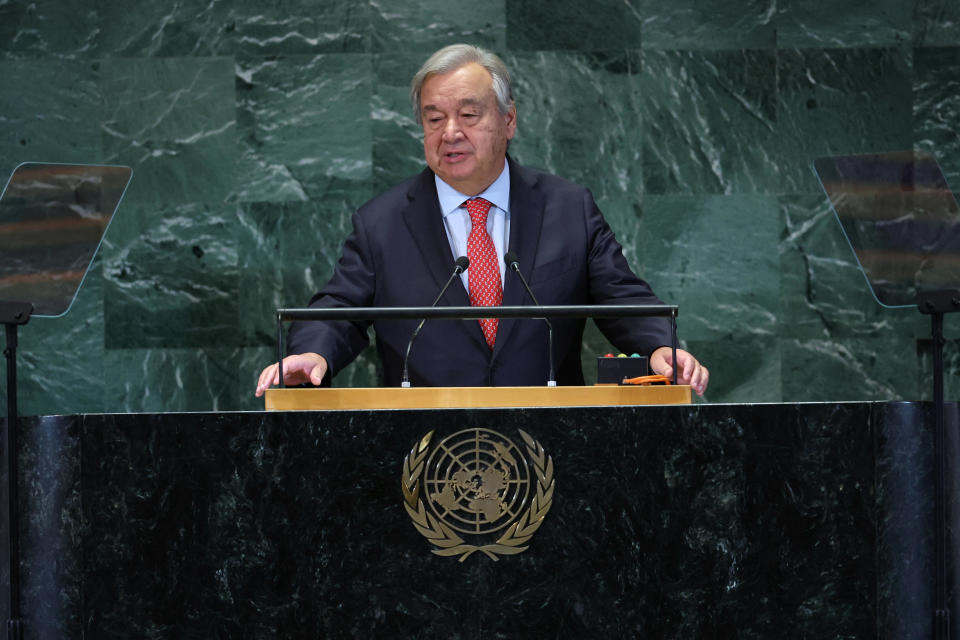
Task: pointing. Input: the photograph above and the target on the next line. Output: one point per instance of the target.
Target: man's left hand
(690, 372)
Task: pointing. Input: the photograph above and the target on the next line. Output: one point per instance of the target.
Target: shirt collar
(497, 193)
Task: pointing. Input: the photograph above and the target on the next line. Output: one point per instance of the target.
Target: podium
(473, 397)
(669, 521)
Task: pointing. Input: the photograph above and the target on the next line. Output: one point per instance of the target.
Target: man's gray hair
(452, 58)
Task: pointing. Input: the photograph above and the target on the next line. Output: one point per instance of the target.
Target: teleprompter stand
(52, 220)
(903, 224)
(12, 315)
(936, 304)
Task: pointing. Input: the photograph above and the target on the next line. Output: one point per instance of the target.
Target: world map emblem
(476, 490)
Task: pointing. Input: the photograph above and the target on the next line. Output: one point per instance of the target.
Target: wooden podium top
(471, 397)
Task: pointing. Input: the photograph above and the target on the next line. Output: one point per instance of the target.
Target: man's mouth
(454, 155)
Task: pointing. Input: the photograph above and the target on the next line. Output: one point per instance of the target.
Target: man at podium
(473, 200)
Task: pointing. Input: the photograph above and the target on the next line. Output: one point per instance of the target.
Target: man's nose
(452, 130)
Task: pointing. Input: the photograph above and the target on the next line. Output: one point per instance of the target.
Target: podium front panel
(692, 521)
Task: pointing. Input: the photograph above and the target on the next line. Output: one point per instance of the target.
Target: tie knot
(478, 208)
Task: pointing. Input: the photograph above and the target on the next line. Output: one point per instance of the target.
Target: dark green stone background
(254, 129)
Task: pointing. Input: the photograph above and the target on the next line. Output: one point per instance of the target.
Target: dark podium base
(685, 522)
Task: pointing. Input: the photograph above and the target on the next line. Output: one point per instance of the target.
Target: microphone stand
(462, 264)
(353, 314)
(511, 259)
(280, 349)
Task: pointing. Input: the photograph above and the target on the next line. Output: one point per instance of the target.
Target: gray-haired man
(474, 200)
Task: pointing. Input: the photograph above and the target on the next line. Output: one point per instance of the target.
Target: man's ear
(511, 120)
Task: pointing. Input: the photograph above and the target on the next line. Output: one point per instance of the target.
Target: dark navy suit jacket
(398, 255)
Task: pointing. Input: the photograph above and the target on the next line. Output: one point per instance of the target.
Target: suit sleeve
(353, 284)
(612, 281)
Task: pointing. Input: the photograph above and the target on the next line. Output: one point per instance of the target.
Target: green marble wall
(254, 130)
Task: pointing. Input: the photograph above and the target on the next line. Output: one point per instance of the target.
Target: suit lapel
(526, 220)
(423, 217)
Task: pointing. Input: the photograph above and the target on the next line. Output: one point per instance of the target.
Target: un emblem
(477, 483)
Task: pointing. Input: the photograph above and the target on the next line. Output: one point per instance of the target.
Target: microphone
(513, 263)
(461, 265)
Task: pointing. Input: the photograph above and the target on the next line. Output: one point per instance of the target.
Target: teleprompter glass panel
(900, 218)
(52, 220)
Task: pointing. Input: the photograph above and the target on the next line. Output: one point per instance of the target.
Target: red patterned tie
(484, 277)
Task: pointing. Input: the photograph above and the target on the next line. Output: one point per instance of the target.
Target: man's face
(464, 134)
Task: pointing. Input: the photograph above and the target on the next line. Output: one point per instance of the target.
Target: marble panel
(710, 122)
(716, 257)
(165, 380)
(578, 117)
(168, 30)
(710, 25)
(11, 14)
(604, 25)
(824, 293)
(839, 102)
(742, 368)
(68, 29)
(936, 108)
(936, 23)
(851, 368)
(172, 278)
(303, 26)
(287, 252)
(304, 125)
(50, 111)
(60, 360)
(827, 24)
(174, 121)
(397, 148)
(428, 25)
(234, 28)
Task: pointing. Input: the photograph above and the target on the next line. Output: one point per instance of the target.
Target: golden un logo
(477, 483)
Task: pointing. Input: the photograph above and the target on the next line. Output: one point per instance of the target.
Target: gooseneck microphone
(461, 265)
(513, 263)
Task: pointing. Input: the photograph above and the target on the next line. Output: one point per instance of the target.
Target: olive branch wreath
(443, 537)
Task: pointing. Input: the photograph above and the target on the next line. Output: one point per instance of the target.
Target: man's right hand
(297, 369)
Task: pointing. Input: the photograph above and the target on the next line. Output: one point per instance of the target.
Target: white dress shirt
(456, 219)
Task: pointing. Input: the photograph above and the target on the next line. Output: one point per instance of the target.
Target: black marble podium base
(707, 521)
